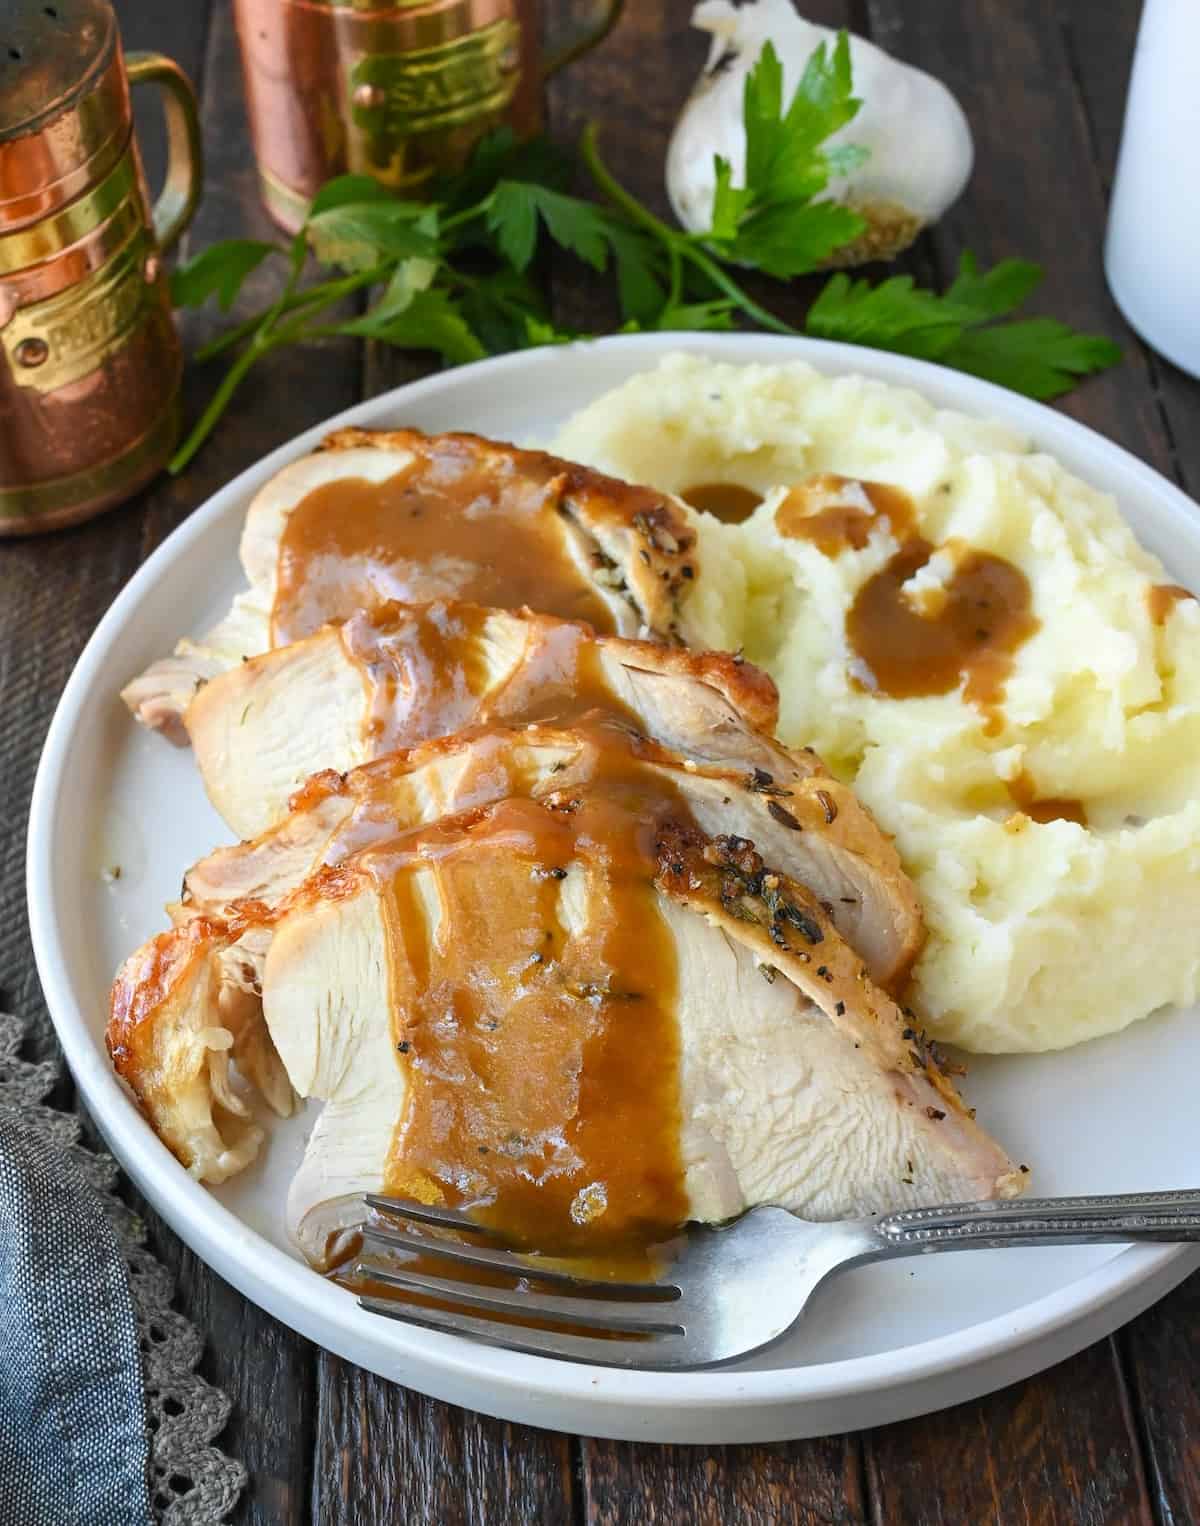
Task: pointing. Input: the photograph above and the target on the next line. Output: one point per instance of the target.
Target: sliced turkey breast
(747, 785)
(593, 1001)
(374, 516)
(396, 676)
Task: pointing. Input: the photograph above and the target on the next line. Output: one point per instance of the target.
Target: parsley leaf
(431, 320)
(773, 221)
(997, 291)
(1038, 356)
(588, 231)
(408, 279)
(716, 315)
(499, 156)
(360, 235)
(219, 270)
(894, 315)
(513, 212)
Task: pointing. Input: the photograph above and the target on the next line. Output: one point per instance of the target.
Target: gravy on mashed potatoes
(1042, 775)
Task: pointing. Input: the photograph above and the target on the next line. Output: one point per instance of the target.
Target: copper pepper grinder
(90, 362)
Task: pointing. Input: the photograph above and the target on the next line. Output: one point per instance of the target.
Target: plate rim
(222, 1240)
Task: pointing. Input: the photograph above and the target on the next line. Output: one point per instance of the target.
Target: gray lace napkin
(103, 1419)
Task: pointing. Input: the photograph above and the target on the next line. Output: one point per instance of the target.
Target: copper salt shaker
(89, 359)
(397, 89)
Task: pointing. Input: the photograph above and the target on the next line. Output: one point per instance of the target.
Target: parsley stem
(264, 337)
(676, 290)
(679, 244)
(617, 193)
(315, 296)
(732, 290)
(465, 216)
(220, 401)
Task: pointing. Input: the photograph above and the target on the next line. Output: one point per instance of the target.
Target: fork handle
(1102, 1220)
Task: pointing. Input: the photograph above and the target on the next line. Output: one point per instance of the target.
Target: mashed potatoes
(1042, 934)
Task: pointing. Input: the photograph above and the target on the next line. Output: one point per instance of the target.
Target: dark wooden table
(1110, 1436)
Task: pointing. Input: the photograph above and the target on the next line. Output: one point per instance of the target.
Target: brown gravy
(1043, 809)
(968, 634)
(1161, 598)
(454, 523)
(425, 669)
(827, 510)
(542, 1051)
(726, 501)
(983, 619)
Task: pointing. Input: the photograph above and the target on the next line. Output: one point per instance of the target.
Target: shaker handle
(177, 200)
(578, 37)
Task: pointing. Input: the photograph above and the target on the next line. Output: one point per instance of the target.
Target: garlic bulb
(920, 145)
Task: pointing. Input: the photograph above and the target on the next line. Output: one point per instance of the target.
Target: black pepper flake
(827, 806)
(645, 556)
(763, 783)
(768, 973)
(935, 1113)
(840, 1009)
(403, 1046)
(483, 1149)
(558, 874)
(823, 971)
(1025, 1169)
(687, 571)
(783, 817)
(848, 900)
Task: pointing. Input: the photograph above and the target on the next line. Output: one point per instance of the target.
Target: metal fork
(730, 1290)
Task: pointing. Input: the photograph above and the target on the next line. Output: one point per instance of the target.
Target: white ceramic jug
(1152, 251)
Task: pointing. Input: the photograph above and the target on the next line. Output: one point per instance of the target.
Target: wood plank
(1100, 51)
(386, 1455)
(179, 31)
(1056, 1449)
(268, 1370)
(1036, 190)
(1161, 1352)
(800, 1483)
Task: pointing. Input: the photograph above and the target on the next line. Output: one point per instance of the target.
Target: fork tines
(591, 1320)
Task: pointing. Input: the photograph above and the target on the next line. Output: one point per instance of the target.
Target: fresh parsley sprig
(454, 274)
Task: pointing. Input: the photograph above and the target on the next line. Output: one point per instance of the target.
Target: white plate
(882, 1343)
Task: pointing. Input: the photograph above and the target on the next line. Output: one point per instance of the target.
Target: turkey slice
(386, 515)
(779, 1070)
(802, 819)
